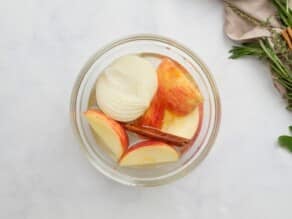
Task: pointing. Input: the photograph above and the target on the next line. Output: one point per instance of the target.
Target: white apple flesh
(183, 126)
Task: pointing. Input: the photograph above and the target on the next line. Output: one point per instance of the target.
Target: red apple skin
(153, 116)
(117, 127)
(146, 143)
(201, 116)
(177, 91)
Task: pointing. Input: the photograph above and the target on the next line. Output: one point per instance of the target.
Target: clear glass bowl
(153, 175)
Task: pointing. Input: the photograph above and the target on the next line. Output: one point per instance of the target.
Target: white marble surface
(43, 173)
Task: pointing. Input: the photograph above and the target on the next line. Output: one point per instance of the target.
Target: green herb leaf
(290, 128)
(285, 142)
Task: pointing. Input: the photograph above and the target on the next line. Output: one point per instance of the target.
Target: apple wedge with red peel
(153, 116)
(149, 152)
(109, 131)
(180, 94)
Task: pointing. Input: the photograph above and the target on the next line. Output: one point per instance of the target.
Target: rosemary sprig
(247, 49)
(284, 12)
(262, 49)
(277, 64)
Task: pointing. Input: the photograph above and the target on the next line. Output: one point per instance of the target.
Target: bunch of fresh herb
(284, 12)
(275, 50)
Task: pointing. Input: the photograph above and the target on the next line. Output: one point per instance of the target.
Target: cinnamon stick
(289, 30)
(285, 33)
(157, 135)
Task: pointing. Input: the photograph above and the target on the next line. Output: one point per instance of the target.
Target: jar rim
(193, 162)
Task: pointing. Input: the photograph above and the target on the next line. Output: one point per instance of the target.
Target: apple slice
(109, 131)
(183, 126)
(179, 93)
(153, 116)
(149, 152)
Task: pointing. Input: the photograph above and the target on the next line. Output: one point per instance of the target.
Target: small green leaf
(285, 142)
(290, 128)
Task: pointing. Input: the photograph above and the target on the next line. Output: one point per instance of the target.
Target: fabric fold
(255, 12)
